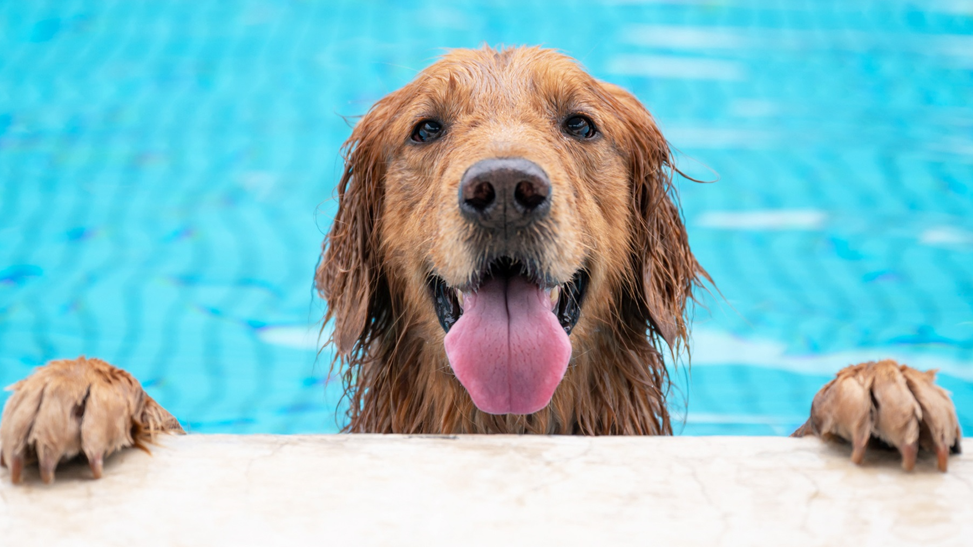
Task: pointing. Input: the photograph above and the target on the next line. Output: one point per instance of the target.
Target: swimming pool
(167, 169)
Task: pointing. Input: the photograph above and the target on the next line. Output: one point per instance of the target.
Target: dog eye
(580, 127)
(427, 131)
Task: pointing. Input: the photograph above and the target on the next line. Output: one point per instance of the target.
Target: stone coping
(492, 490)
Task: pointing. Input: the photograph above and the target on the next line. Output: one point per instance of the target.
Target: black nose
(502, 193)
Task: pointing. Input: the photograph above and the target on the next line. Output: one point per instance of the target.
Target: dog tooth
(555, 294)
(459, 297)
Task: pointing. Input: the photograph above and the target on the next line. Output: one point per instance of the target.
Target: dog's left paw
(893, 403)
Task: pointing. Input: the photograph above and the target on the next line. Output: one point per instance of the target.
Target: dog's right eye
(427, 131)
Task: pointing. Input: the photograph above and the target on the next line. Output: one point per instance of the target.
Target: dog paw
(892, 403)
(72, 406)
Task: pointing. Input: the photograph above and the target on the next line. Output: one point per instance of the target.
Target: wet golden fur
(613, 212)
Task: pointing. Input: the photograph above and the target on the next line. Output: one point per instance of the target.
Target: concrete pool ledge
(492, 490)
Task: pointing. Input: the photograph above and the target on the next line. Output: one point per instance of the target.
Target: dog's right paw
(72, 406)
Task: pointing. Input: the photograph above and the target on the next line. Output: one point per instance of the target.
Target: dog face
(507, 207)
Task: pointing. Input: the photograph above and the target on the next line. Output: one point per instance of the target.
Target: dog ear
(349, 275)
(662, 260)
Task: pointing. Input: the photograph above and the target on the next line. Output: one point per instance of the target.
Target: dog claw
(47, 464)
(858, 452)
(942, 458)
(16, 468)
(96, 464)
(909, 453)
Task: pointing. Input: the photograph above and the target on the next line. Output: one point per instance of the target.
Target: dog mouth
(507, 334)
(565, 298)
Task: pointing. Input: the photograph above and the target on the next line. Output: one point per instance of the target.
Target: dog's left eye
(427, 130)
(580, 127)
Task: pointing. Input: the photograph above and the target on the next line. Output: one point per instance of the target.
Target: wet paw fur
(75, 406)
(892, 403)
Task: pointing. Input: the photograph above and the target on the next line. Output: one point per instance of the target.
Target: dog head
(509, 210)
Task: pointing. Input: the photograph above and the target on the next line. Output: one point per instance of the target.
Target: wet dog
(508, 256)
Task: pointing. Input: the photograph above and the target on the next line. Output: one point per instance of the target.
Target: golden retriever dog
(508, 256)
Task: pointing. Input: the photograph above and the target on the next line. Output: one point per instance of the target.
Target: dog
(508, 256)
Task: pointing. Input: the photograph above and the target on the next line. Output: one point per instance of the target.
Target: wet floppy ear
(349, 276)
(665, 266)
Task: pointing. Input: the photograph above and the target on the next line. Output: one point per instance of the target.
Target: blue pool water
(167, 170)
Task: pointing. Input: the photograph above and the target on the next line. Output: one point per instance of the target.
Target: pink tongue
(508, 349)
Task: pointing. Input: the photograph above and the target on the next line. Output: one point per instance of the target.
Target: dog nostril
(528, 195)
(481, 196)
